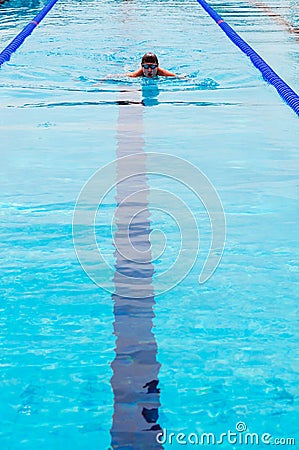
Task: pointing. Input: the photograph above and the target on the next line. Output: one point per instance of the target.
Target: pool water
(76, 357)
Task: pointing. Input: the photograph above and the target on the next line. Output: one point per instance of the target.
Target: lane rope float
(5, 55)
(284, 90)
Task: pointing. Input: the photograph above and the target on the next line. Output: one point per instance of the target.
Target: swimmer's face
(149, 70)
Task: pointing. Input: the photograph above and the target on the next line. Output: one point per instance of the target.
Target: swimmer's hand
(109, 77)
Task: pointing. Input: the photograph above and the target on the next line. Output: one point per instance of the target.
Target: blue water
(225, 351)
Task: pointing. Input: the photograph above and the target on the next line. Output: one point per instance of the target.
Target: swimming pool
(225, 351)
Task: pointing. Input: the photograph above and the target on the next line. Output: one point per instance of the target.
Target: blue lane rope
(20, 38)
(288, 95)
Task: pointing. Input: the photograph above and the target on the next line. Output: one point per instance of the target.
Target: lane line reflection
(135, 367)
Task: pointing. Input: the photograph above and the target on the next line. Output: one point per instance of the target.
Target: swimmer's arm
(165, 73)
(137, 73)
(161, 72)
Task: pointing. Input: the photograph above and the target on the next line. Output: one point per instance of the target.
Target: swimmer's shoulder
(137, 73)
(165, 73)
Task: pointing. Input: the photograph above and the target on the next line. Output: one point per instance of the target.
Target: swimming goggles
(152, 66)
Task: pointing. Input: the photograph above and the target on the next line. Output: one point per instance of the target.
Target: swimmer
(150, 68)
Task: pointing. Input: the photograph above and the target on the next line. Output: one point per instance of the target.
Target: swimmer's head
(150, 58)
(149, 64)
